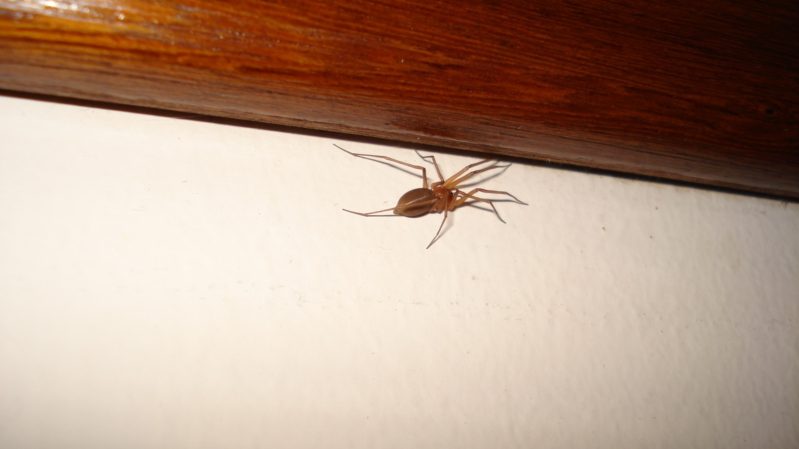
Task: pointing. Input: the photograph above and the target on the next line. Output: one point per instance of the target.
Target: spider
(440, 196)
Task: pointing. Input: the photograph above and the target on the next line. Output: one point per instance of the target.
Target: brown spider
(441, 196)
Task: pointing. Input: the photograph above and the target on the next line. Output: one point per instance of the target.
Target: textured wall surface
(172, 283)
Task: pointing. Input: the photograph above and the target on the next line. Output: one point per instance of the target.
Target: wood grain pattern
(704, 92)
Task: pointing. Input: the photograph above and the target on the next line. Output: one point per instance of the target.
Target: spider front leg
(470, 195)
(425, 182)
(435, 164)
(456, 179)
(496, 192)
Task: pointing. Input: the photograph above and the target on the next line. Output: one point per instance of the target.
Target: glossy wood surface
(705, 92)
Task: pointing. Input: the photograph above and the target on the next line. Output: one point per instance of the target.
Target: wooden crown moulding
(704, 92)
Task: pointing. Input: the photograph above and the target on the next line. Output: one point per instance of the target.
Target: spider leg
(454, 181)
(496, 192)
(470, 195)
(462, 200)
(450, 182)
(372, 214)
(438, 233)
(372, 157)
(435, 164)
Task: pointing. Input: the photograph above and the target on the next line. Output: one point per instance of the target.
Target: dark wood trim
(703, 92)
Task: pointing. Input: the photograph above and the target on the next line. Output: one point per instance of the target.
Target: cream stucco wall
(173, 283)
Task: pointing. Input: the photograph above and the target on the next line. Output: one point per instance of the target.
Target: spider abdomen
(415, 203)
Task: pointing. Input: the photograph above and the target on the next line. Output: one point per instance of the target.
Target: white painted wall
(171, 283)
